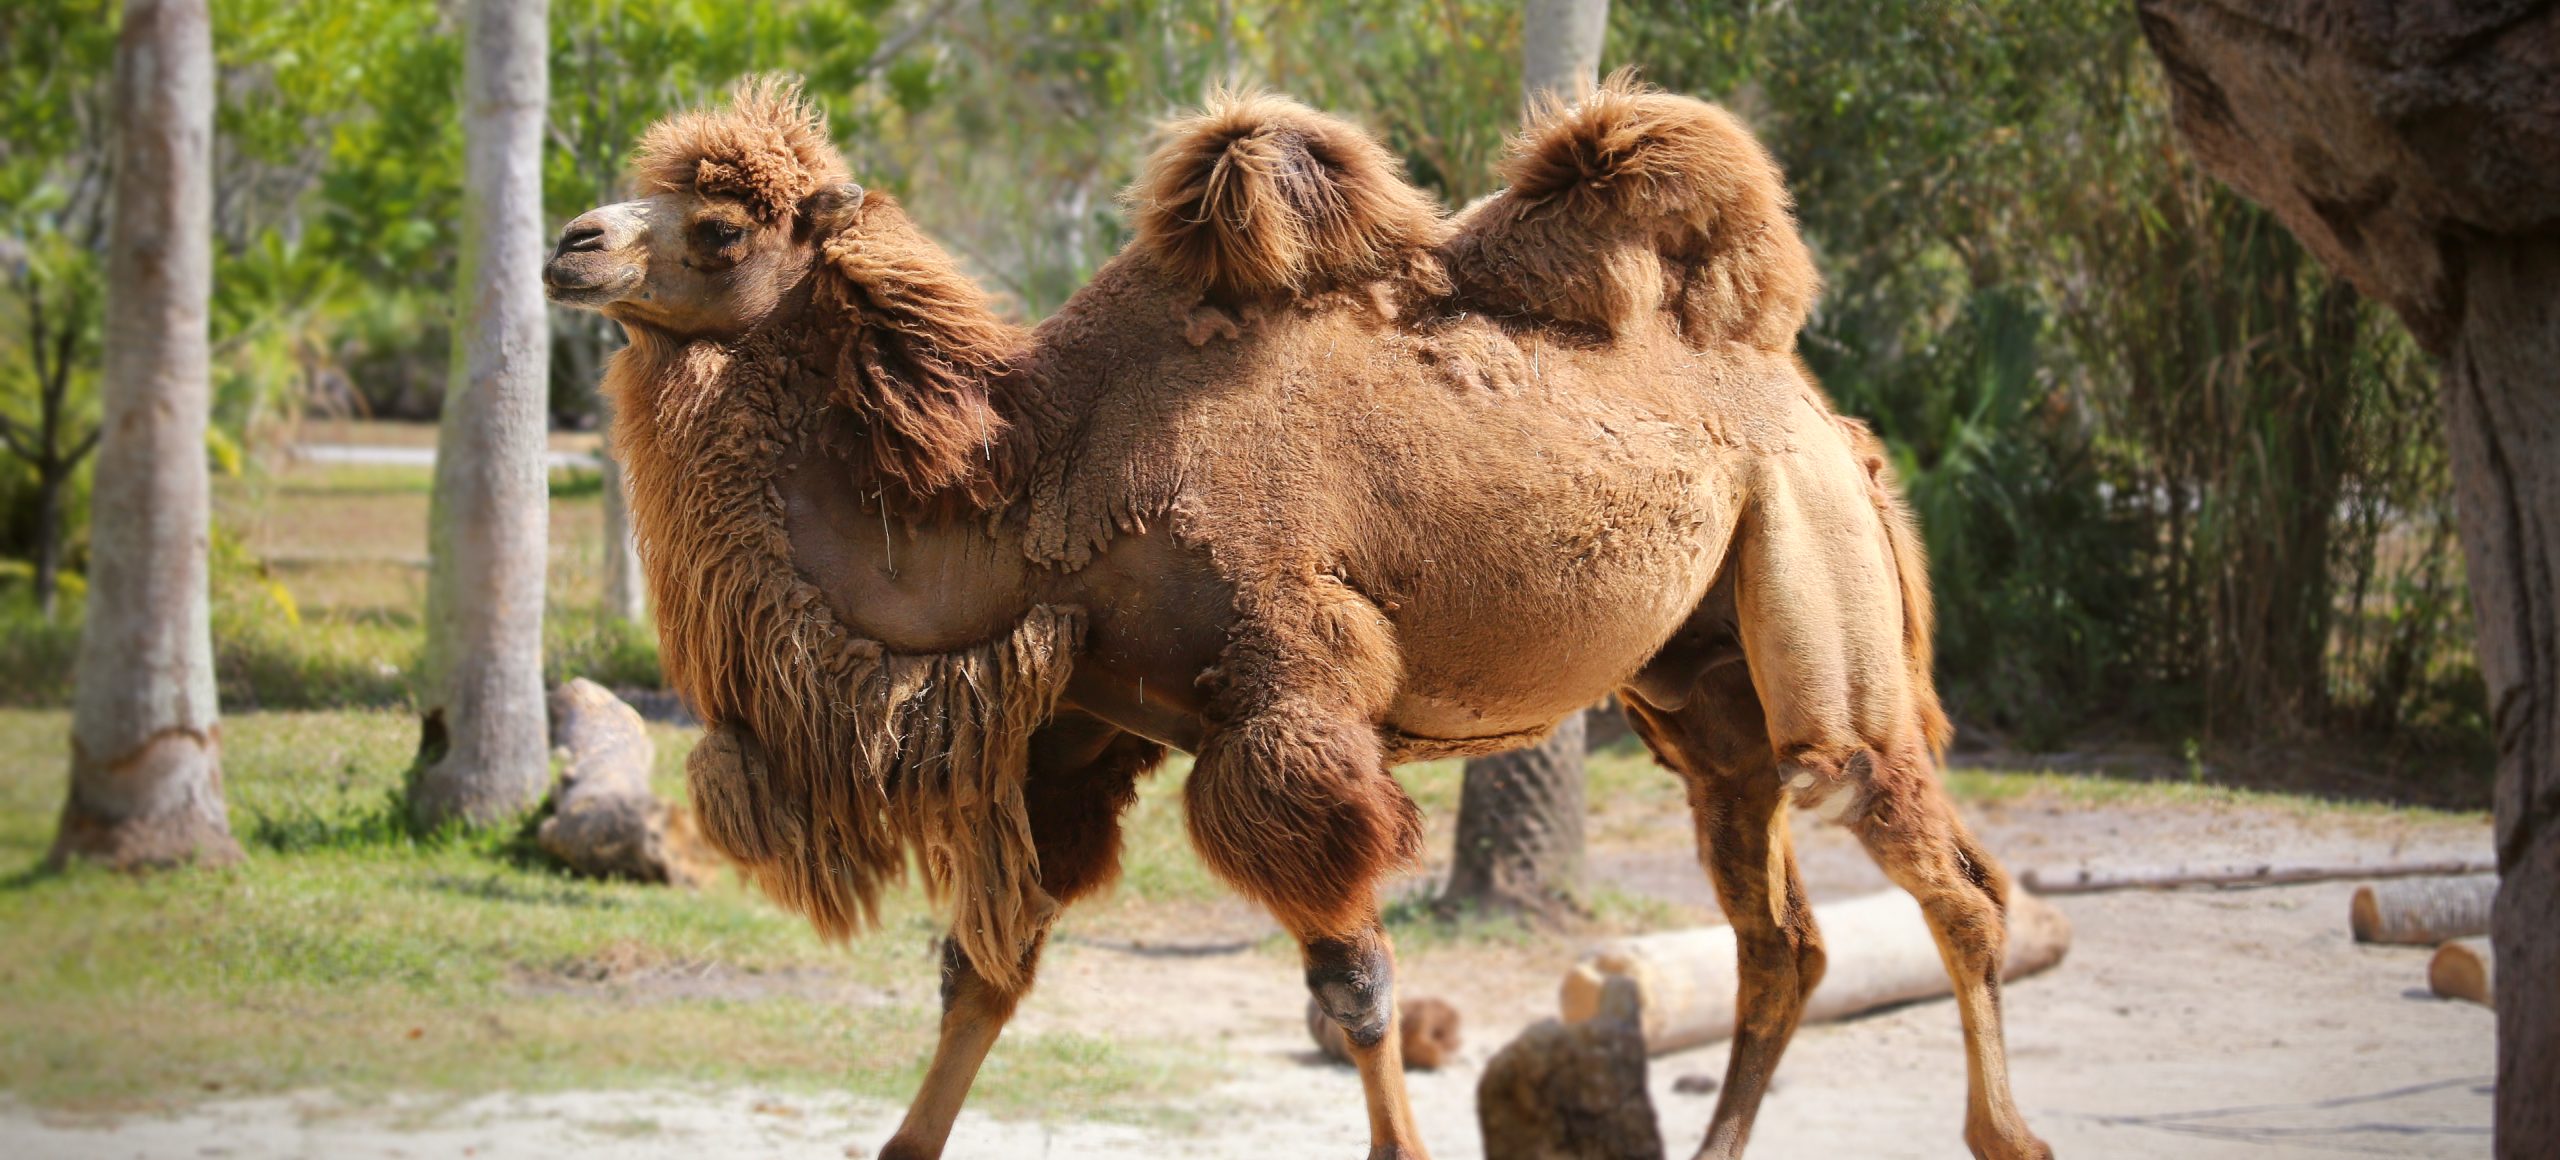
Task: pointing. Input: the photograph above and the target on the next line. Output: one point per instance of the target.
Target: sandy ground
(2200, 1024)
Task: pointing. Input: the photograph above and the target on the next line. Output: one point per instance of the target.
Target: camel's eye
(718, 233)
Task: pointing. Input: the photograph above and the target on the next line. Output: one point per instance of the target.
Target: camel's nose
(603, 230)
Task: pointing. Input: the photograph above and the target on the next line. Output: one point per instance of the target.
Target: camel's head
(734, 202)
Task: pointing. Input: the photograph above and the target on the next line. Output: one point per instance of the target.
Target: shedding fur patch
(1257, 196)
(766, 147)
(1633, 200)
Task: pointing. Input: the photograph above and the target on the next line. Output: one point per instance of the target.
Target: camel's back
(1534, 511)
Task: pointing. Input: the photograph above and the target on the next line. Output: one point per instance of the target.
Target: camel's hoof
(1990, 1145)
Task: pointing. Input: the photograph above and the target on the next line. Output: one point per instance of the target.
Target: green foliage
(2171, 473)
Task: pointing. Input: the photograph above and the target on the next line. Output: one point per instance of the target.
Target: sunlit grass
(349, 954)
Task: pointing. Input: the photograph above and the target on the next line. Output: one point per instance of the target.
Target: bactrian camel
(1312, 479)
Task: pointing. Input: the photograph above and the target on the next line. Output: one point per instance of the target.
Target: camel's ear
(831, 208)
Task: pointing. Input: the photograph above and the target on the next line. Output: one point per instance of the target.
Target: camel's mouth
(565, 283)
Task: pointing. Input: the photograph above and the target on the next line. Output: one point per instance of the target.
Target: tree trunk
(2416, 149)
(1520, 813)
(146, 751)
(1560, 46)
(482, 750)
(1519, 843)
(49, 489)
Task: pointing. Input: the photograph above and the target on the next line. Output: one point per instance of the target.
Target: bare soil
(2197, 1023)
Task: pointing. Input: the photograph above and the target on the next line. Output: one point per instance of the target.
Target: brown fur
(767, 148)
(1633, 201)
(1304, 483)
(922, 350)
(1258, 196)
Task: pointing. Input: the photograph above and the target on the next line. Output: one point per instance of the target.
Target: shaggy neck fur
(844, 759)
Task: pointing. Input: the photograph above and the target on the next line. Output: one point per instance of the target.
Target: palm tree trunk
(1520, 829)
(146, 750)
(1560, 46)
(482, 748)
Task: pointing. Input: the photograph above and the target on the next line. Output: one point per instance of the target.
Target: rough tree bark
(1520, 813)
(482, 750)
(2416, 149)
(1519, 845)
(146, 743)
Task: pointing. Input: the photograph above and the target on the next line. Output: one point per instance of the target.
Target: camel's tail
(1633, 200)
(1257, 196)
(1911, 573)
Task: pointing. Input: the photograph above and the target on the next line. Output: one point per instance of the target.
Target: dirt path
(2201, 1024)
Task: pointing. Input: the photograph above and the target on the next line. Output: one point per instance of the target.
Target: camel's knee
(1354, 980)
(966, 991)
(1298, 813)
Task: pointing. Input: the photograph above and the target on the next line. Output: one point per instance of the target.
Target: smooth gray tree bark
(2416, 149)
(146, 741)
(1520, 813)
(482, 747)
(1560, 46)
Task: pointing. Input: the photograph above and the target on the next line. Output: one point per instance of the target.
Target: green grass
(348, 954)
(2088, 790)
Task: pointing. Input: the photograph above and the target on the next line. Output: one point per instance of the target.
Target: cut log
(1575, 1092)
(2464, 969)
(605, 820)
(2423, 911)
(2240, 875)
(1430, 1035)
(1880, 953)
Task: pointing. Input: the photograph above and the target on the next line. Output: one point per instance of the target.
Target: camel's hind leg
(1083, 774)
(1825, 601)
(1913, 833)
(1716, 743)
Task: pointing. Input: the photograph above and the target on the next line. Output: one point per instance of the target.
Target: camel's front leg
(1292, 805)
(1354, 980)
(974, 1012)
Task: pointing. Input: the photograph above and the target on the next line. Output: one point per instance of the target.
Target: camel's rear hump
(1632, 201)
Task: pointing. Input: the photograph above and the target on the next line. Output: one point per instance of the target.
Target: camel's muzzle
(595, 262)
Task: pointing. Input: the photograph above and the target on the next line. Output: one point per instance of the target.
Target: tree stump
(1429, 1036)
(1572, 1092)
(605, 820)
(2464, 968)
(2422, 912)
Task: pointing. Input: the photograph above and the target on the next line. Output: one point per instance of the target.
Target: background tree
(146, 773)
(1520, 813)
(56, 166)
(483, 740)
(2417, 151)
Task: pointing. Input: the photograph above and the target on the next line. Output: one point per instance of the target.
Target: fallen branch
(2239, 875)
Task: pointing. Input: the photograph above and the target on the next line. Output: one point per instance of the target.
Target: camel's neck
(924, 366)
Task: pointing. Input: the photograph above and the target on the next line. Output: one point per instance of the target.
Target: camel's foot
(2016, 1143)
(901, 1147)
(1398, 1152)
